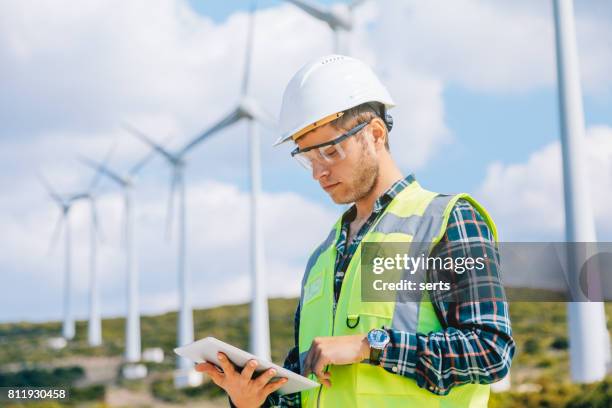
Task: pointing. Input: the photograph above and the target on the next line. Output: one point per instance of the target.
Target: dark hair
(362, 113)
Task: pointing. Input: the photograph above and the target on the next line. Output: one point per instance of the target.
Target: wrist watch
(378, 339)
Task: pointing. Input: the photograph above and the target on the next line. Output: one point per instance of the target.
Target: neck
(388, 174)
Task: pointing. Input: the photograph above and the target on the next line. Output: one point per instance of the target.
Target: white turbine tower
(132, 323)
(65, 205)
(94, 325)
(185, 374)
(589, 342)
(339, 18)
(249, 109)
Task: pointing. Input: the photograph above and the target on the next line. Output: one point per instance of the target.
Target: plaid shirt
(475, 344)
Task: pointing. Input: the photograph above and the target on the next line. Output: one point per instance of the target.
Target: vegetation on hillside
(540, 371)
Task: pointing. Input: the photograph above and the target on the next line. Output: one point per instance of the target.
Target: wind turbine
(249, 109)
(185, 316)
(65, 203)
(339, 18)
(132, 323)
(94, 326)
(589, 341)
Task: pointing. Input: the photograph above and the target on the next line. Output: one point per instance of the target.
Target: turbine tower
(94, 325)
(589, 341)
(249, 109)
(185, 374)
(132, 322)
(175, 160)
(339, 18)
(65, 203)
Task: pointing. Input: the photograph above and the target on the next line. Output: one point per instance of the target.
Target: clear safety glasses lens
(327, 155)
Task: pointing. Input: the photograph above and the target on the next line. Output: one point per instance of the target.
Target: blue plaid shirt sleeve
(475, 344)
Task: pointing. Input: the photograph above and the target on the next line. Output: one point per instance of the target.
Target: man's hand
(337, 350)
(243, 390)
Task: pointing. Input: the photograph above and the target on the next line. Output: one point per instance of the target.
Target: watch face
(378, 338)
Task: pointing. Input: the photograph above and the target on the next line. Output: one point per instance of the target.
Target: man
(426, 352)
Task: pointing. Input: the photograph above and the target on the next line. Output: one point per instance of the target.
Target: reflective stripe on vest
(414, 216)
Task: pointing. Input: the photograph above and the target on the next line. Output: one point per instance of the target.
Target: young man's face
(351, 178)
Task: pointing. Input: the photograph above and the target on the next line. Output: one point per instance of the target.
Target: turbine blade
(77, 197)
(230, 119)
(314, 10)
(145, 139)
(123, 239)
(170, 208)
(257, 112)
(249, 49)
(95, 220)
(57, 229)
(356, 3)
(109, 154)
(103, 170)
(145, 159)
(56, 197)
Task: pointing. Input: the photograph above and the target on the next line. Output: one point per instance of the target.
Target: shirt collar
(382, 201)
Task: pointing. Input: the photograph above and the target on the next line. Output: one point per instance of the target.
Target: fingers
(265, 377)
(319, 366)
(248, 370)
(212, 371)
(226, 364)
(325, 379)
(316, 367)
(326, 375)
(274, 386)
(309, 361)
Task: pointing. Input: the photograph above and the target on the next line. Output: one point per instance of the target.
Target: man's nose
(318, 170)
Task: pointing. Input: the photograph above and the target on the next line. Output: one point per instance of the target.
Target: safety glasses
(328, 153)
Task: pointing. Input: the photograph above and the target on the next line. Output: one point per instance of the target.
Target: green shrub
(560, 343)
(92, 393)
(42, 377)
(594, 396)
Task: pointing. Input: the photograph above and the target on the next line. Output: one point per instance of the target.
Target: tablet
(207, 348)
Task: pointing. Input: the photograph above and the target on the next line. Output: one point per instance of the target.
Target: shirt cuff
(400, 354)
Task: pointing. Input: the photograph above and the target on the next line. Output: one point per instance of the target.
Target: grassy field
(540, 371)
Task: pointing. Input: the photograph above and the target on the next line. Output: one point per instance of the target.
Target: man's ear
(379, 133)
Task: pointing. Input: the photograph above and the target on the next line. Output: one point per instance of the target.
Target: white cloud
(218, 250)
(505, 46)
(71, 72)
(526, 199)
(168, 70)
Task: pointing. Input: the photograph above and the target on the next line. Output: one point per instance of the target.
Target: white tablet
(207, 348)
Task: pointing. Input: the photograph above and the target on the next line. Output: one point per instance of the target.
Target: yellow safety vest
(415, 215)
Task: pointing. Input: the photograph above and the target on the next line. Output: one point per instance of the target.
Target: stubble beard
(364, 178)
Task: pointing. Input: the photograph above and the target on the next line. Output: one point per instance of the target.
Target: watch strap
(375, 355)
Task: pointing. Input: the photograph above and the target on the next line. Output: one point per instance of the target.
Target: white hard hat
(323, 89)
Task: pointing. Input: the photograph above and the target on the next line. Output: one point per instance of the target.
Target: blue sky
(221, 10)
(474, 84)
(484, 123)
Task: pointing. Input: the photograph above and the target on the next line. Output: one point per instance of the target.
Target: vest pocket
(363, 316)
(313, 289)
(388, 389)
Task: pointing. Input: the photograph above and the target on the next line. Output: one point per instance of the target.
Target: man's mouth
(330, 186)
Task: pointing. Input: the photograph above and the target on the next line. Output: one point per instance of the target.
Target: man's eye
(331, 151)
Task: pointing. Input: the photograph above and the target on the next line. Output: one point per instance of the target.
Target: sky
(477, 112)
